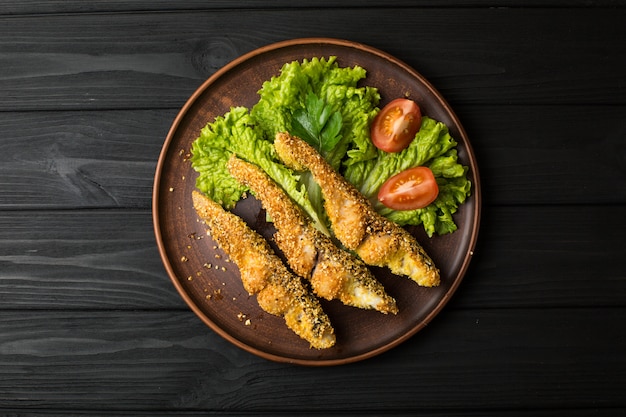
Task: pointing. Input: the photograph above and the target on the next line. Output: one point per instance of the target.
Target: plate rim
(156, 220)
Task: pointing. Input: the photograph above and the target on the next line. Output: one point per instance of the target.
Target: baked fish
(279, 292)
(333, 272)
(375, 239)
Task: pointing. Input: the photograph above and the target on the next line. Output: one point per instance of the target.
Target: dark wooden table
(90, 323)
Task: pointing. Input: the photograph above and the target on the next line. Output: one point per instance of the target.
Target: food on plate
(432, 147)
(237, 133)
(325, 187)
(413, 188)
(279, 292)
(354, 222)
(308, 94)
(333, 272)
(395, 126)
(330, 108)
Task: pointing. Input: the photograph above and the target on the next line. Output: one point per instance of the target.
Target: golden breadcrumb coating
(333, 272)
(355, 223)
(279, 292)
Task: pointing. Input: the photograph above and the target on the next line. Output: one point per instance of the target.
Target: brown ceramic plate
(212, 287)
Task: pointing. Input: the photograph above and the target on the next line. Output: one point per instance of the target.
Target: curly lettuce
(236, 133)
(324, 103)
(433, 147)
(285, 95)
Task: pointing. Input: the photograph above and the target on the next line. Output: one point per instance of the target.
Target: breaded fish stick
(279, 292)
(333, 272)
(355, 223)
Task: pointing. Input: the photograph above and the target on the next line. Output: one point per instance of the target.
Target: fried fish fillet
(332, 272)
(377, 240)
(279, 292)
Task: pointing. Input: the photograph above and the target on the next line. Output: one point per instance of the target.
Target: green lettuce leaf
(283, 99)
(317, 124)
(432, 147)
(432, 140)
(236, 133)
(320, 89)
(437, 217)
(331, 107)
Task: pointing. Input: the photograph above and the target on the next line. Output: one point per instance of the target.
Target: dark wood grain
(98, 159)
(155, 60)
(549, 154)
(428, 413)
(90, 324)
(90, 260)
(80, 159)
(16, 7)
(101, 259)
(547, 256)
(169, 361)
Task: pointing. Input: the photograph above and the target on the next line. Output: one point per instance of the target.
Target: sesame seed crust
(278, 291)
(377, 240)
(333, 272)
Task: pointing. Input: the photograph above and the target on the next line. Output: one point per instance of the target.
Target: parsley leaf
(317, 124)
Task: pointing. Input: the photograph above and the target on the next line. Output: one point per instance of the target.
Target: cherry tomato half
(410, 189)
(395, 126)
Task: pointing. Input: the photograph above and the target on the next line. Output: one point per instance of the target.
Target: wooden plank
(99, 159)
(82, 260)
(142, 361)
(107, 259)
(547, 256)
(549, 154)
(80, 159)
(477, 56)
(13, 7)
(470, 413)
